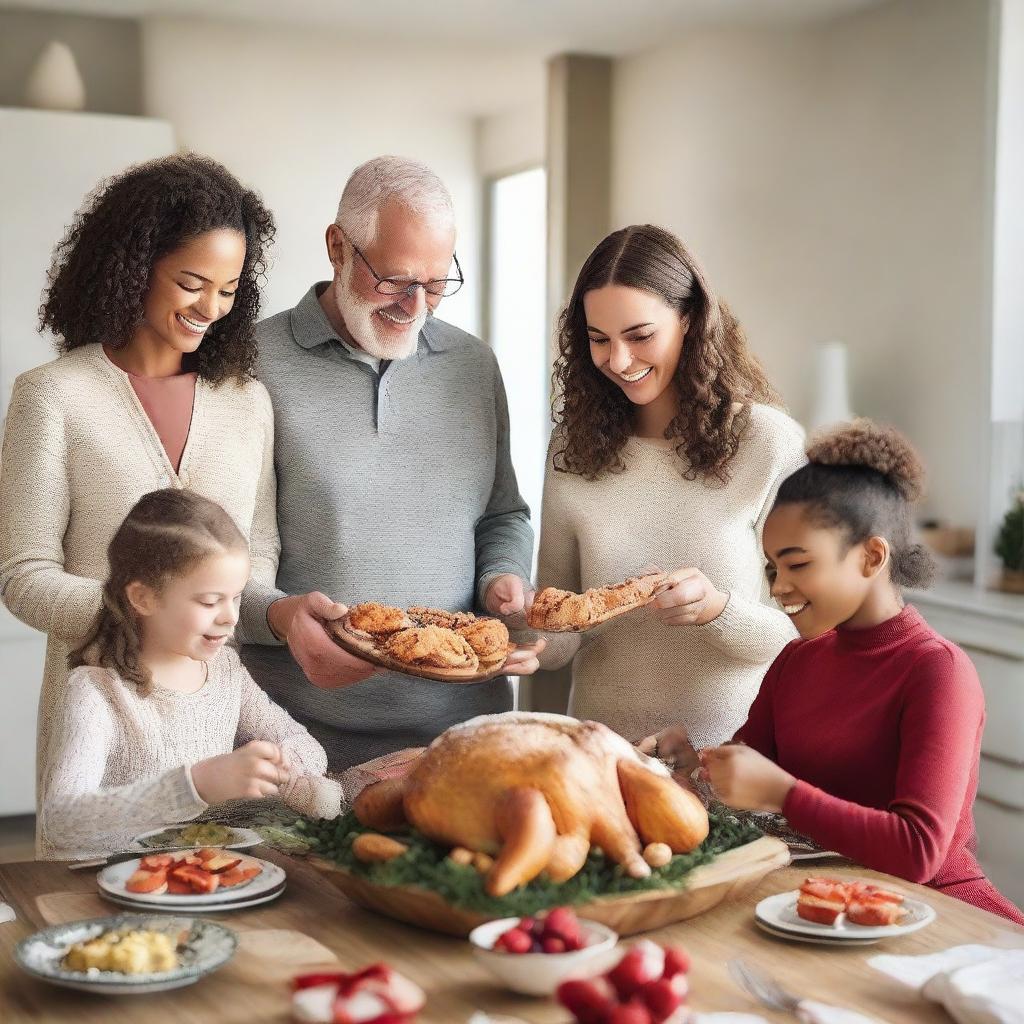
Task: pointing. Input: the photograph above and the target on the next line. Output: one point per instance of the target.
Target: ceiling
(541, 26)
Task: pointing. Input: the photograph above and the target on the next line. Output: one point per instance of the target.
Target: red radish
(588, 1000)
(562, 923)
(629, 1013)
(642, 963)
(552, 945)
(677, 961)
(515, 940)
(664, 996)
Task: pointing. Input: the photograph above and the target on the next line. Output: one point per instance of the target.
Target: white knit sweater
(120, 763)
(78, 452)
(636, 674)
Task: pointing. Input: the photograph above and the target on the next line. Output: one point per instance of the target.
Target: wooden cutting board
(728, 877)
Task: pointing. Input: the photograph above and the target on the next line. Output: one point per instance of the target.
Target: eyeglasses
(440, 286)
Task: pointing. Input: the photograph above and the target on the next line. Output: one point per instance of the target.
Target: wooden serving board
(365, 648)
(729, 876)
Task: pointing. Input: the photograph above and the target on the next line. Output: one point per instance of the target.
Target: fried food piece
(431, 646)
(422, 616)
(488, 638)
(563, 610)
(377, 619)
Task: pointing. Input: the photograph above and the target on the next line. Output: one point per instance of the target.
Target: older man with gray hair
(394, 481)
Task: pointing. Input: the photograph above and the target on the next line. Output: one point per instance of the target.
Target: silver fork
(765, 990)
(768, 992)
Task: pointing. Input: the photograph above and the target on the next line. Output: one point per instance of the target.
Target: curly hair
(101, 269)
(864, 479)
(165, 535)
(717, 378)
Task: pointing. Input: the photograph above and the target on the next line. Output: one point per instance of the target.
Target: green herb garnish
(426, 865)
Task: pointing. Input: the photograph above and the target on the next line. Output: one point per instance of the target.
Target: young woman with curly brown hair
(153, 296)
(669, 445)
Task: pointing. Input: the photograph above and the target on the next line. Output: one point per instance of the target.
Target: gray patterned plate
(208, 946)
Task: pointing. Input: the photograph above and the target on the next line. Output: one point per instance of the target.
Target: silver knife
(118, 858)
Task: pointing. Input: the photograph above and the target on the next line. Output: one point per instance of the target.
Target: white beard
(360, 317)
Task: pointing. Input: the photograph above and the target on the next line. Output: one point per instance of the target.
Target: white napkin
(811, 1012)
(976, 984)
(7, 913)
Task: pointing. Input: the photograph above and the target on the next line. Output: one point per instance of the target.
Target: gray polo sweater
(397, 489)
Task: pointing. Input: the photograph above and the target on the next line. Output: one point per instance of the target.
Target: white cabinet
(989, 626)
(50, 162)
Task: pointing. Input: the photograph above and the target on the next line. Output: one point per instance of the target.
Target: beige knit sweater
(636, 674)
(78, 452)
(120, 763)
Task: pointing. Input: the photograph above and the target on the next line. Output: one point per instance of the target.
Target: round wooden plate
(364, 648)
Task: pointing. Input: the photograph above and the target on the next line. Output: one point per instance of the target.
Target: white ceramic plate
(779, 913)
(822, 940)
(112, 880)
(209, 946)
(242, 840)
(211, 908)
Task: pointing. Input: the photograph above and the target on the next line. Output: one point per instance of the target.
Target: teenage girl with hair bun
(867, 730)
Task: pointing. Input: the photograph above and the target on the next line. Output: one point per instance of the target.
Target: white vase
(831, 403)
(54, 82)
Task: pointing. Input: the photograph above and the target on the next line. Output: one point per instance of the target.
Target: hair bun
(883, 449)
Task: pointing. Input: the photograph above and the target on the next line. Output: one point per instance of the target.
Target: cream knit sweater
(120, 763)
(636, 674)
(78, 452)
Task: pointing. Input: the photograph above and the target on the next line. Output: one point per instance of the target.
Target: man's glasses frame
(438, 287)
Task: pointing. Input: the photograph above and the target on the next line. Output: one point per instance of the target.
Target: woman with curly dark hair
(669, 445)
(153, 297)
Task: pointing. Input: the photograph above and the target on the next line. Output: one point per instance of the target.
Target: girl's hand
(687, 598)
(672, 744)
(255, 770)
(744, 779)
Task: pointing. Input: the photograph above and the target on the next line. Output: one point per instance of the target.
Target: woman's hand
(744, 779)
(672, 744)
(687, 598)
(525, 659)
(258, 769)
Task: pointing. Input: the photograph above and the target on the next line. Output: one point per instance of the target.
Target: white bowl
(539, 974)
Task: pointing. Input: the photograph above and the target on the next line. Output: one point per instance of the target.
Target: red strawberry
(552, 945)
(642, 963)
(677, 961)
(629, 1013)
(664, 996)
(515, 940)
(588, 1000)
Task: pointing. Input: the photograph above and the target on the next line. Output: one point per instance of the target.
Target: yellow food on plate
(127, 952)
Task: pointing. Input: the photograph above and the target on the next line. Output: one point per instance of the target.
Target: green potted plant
(1010, 547)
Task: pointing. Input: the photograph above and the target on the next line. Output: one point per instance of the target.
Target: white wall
(292, 112)
(833, 180)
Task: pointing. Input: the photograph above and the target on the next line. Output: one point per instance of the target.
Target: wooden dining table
(312, 925)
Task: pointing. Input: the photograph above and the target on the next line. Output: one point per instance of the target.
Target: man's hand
(687, 598)
(744, 779)
(505, 595)
(299, 621)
